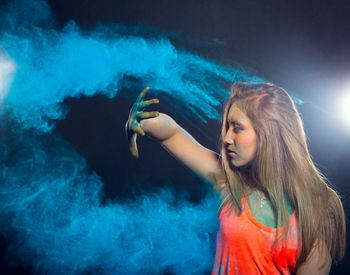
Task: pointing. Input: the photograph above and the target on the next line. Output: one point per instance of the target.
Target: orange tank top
(244, 246)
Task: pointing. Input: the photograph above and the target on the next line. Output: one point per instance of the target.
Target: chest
(262, 210)
(244, 233)
(247, 232)
(244, 244)
(249, 243)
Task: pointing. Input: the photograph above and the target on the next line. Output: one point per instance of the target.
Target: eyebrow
(230, 120)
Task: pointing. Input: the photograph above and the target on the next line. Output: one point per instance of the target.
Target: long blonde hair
(283, 170)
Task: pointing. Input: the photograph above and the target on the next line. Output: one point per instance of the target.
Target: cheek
(249, 146)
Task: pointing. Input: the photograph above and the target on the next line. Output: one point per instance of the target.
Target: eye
(237, 128)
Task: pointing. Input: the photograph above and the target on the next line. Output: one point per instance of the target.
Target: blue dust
(51, 209)
(50, 205)
(55, 65)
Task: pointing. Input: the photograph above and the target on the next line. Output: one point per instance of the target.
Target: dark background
(302, 46)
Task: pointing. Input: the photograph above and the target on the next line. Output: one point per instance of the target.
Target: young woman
(278, 215)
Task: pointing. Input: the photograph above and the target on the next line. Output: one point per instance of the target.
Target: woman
(278, 215)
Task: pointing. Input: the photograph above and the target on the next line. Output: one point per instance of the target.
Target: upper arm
(318, 262)
(202, 161)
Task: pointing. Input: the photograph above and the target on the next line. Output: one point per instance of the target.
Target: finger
(136, 128)
(142, 94)
(136, 105)
(148, 114)
(146, 103)
(133, 146)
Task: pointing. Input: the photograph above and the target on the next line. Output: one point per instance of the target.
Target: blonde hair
(283, 170)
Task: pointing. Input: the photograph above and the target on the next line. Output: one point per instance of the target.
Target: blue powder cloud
(55, 65)
(51, 208)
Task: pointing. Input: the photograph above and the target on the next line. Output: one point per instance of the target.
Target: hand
(132, 126)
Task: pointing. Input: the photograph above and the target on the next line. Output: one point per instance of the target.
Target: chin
(240, 164)
(235, 164)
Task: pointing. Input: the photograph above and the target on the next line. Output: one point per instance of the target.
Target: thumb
(133, 146)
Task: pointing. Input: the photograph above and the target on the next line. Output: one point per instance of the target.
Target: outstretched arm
(179, 143)
(202, 161)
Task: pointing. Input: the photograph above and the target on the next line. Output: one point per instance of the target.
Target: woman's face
(240, 139)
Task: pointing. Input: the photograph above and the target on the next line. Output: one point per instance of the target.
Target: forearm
(180, 144)
(161, 127)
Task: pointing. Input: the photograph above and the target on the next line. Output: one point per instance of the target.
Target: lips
(231, 153)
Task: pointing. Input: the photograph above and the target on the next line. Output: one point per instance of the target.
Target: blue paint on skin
(50, 205)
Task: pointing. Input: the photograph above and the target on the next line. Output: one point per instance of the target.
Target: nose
(228, 138)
